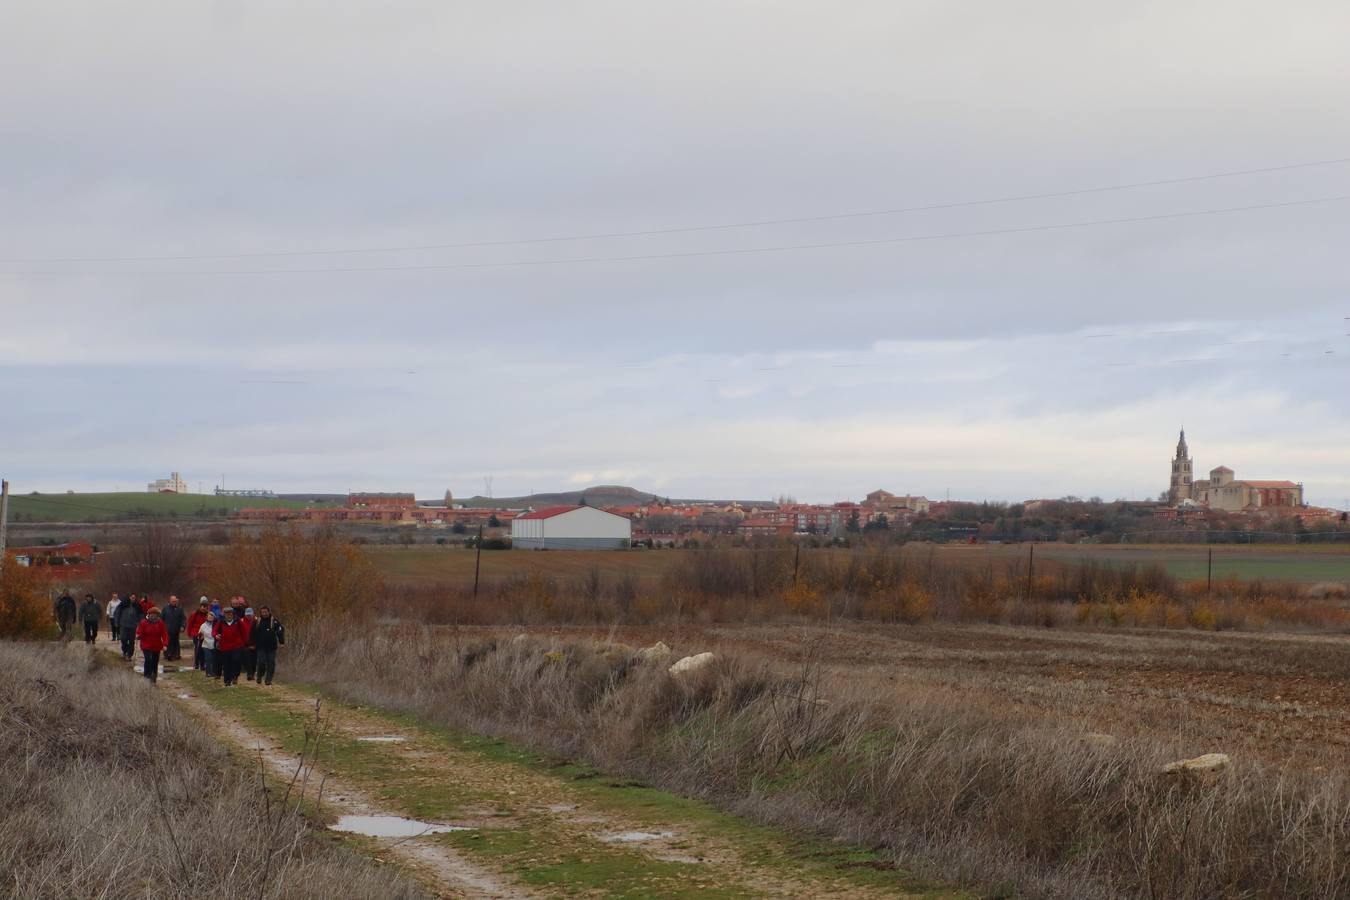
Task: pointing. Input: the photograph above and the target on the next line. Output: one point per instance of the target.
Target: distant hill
(600, 495)
(129, 506)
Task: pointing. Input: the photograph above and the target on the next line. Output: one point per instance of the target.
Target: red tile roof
(1269, 484)
(549, 512)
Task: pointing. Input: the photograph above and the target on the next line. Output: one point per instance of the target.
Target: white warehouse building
(571, 528)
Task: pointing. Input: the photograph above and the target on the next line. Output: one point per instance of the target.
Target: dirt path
(530, 826)
(446, 871)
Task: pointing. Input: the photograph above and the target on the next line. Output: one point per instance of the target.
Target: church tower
(1182, 466)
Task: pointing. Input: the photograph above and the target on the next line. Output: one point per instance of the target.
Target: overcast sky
(1017, 362)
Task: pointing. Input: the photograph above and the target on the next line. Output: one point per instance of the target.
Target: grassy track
(549, 824)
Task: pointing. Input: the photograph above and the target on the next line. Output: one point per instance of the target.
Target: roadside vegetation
(1005, 800)
(113, 792)
(885, 584)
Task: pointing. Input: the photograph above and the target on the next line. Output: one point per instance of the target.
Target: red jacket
(247, 624)
(154, 636)
(229, 636)
(195, 622)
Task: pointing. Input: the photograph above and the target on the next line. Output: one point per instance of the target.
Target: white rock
(659, 650)
(1208, 764)
(692, 663)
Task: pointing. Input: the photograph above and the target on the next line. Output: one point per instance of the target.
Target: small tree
(23, 605)
(301, 576)
(853, 522)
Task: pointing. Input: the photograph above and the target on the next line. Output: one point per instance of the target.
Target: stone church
(1223, 491)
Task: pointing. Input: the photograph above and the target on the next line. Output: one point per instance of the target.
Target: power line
(649, 232)
(737, 251)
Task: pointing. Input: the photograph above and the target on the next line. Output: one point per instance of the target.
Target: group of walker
(227, 641)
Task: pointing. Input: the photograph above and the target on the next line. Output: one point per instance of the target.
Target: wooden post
(796, 561)
(477, 562)
(1031, 568)
(1209, 575)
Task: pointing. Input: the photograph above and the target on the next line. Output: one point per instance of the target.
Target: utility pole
(4, 515)
(477, 561)
(4, 521)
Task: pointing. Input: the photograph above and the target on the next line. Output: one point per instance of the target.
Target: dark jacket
(129, 615)
(65, 608)
(90, 611)
(268, 633)
(173, 618)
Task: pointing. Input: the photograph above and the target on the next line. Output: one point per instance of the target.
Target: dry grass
(990, 794)
(111, 792)
(888, 585)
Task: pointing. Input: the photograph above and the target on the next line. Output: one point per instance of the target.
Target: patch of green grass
(134, 505)
(589, 867)
(376, 765)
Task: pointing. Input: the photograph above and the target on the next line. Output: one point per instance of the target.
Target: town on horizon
(1222, 500)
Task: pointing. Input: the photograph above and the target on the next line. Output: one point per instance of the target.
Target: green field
(128, 505)
(1300, 564)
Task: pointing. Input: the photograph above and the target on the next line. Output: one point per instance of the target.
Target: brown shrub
(301, 575)
(24, 611)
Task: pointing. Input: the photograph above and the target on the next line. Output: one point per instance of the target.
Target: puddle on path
(382, 739)
(635, 837)
(392, 826)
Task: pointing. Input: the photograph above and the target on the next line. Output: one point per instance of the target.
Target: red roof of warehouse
(549, 512)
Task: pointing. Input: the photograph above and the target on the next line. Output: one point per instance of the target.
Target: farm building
(570, 528)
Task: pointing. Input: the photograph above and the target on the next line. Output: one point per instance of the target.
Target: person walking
(128, 618)
(230, 646)
(268, 635)
(173, 623)
(64, 609)
(154, 637)
(113, 604)
(250, 656)
(206, 634)
(90, 614)
(194, 630)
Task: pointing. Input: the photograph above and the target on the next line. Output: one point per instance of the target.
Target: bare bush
(158, 560)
